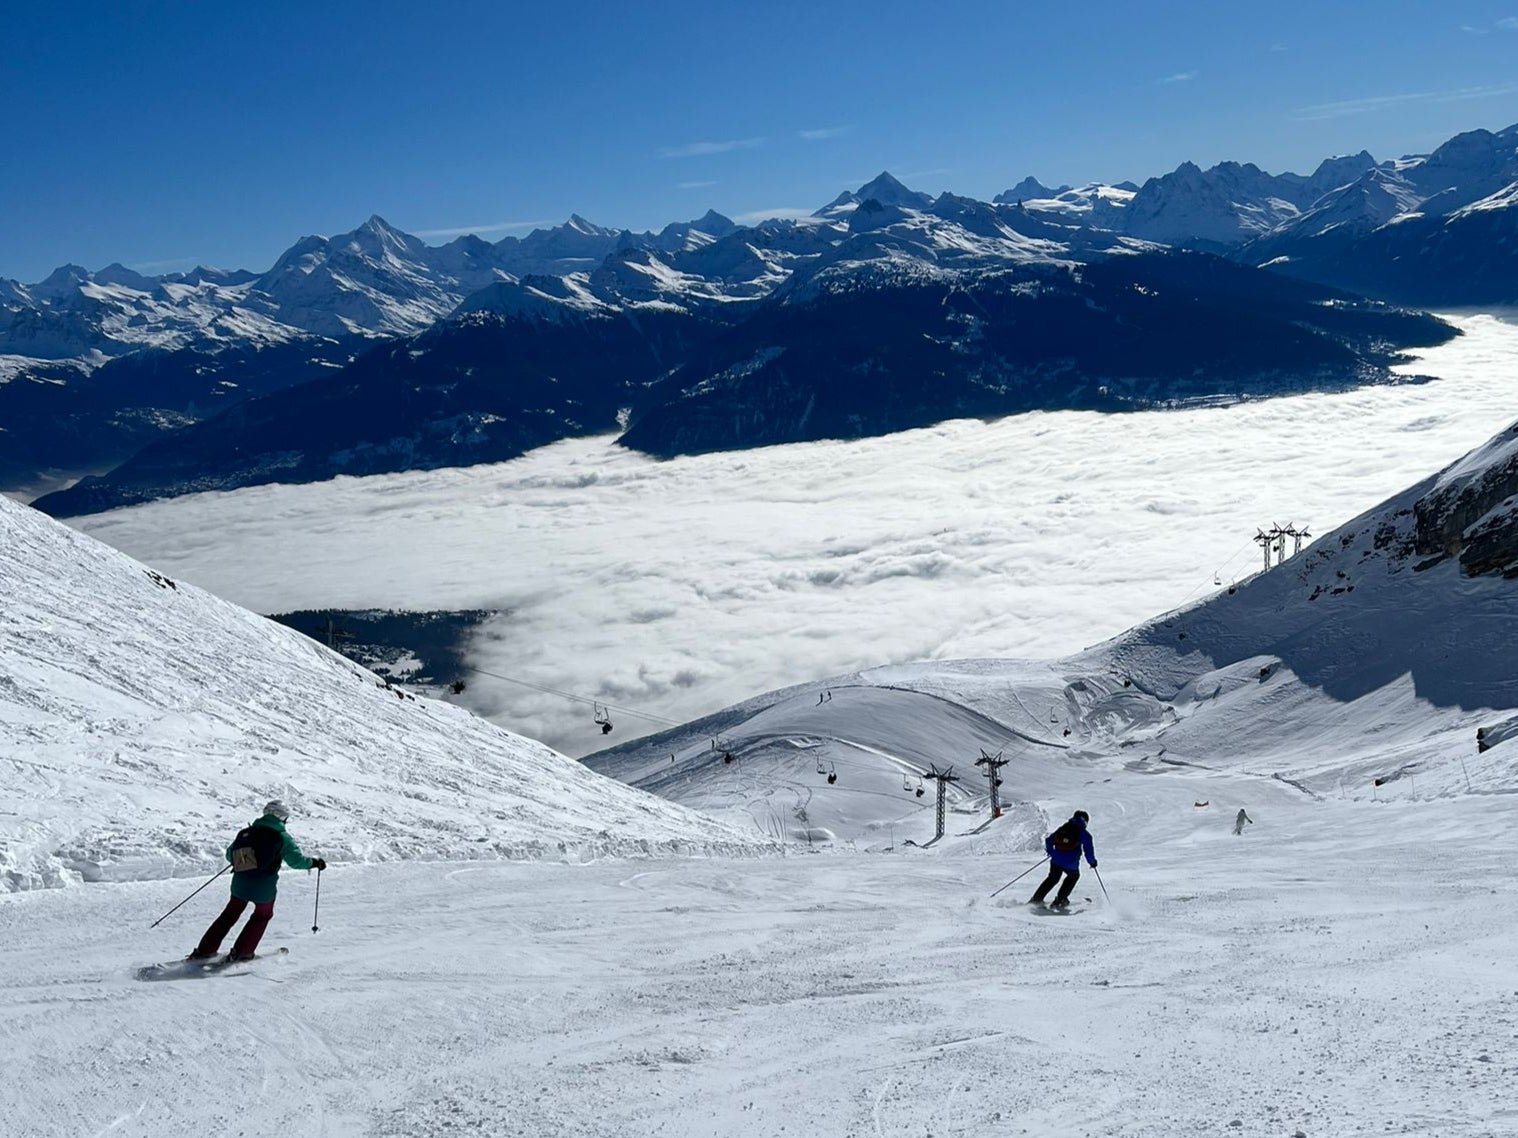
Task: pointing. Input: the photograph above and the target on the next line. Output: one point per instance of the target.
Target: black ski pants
(1071, 877)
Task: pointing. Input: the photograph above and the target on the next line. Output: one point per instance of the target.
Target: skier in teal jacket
(255, 854)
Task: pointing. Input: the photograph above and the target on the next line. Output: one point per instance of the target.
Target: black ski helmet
(1083, 816)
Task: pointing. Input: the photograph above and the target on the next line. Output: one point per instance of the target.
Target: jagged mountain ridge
(95, 366)
(483, 387)
(1432, 229)
(1373, 234)
(378, 281)
(883, 317)
(373, 281)
(1138, 329)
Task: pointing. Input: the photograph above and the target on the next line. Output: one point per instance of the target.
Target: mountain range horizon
(1030, 186)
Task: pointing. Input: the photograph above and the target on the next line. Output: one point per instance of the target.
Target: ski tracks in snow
(1344, 970)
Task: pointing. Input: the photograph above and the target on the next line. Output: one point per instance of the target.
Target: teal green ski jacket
(260, 886)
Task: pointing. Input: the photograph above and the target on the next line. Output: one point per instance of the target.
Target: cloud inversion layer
(680, 586)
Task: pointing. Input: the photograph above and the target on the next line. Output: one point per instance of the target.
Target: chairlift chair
(602, 716)
(832, 775)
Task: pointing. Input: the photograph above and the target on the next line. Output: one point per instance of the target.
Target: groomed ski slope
(142, 721)
(1344, 968)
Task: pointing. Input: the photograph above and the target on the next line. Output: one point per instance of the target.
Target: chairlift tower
(1264, 540)
(1273, 540)
(943, 778)
(993, 765)
(335, 633)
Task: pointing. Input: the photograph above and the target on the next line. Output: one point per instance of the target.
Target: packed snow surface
(1342, 968)
(1029, 537)
(142, 720)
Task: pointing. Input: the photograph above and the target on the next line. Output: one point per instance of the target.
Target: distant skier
(255, 855)
(1064, 847)
(1238, 823)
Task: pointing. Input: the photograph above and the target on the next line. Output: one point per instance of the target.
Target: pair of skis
(198, 969)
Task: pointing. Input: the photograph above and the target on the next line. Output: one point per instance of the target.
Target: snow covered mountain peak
(578, 224)
(1029, 188)
(884, 189)
(1222, 206)
(887, 190)
(61, 281)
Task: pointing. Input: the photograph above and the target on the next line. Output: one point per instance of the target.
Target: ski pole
(318, 908)
(1102, 883)
(181, 904)
(1023, 874)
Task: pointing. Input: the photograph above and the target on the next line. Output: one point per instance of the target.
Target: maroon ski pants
(252, 932)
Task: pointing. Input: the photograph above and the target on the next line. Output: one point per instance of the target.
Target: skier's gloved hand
(1093, 864)
(318, 863)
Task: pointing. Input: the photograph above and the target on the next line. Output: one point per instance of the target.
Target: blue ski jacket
(1070, 860)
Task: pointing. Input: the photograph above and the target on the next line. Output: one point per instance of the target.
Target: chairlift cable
(595, 703)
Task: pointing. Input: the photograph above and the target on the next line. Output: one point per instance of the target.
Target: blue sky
(165, 134)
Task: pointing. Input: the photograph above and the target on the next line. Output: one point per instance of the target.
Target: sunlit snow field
(678, 587)
(1344, 968)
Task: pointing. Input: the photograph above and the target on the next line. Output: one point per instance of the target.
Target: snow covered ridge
(169, 352)
(1406, 618)
(143, 721)
(379, 281)
(899, 317)
(1355, 664)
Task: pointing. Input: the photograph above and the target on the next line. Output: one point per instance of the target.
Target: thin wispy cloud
(782, 212)
(493, 227)
(1386, 102)
(935, 172)
(822, 133)
(1507, 24)
(1180, 77)
(157, 266)
(694, 185)
(702, 149)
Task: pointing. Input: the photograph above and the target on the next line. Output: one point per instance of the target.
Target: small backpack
(257, 849)
(1066, 839)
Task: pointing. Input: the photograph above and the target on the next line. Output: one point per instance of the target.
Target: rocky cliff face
(1472, 511)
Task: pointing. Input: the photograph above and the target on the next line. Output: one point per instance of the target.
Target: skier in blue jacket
(1064, 847)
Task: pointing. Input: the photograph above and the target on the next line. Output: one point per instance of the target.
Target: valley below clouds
(680, 586)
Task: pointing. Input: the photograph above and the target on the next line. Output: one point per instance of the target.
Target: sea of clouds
(680, 586)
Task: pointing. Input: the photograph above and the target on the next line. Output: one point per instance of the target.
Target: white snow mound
(143, 721)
